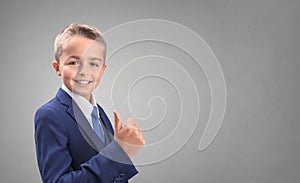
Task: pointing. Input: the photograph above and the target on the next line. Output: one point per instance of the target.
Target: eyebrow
(89, 58)
(73, 56)
(95, 58)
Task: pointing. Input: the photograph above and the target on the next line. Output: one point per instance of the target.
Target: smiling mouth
(83, 82)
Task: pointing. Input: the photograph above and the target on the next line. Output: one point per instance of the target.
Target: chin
(83, 93)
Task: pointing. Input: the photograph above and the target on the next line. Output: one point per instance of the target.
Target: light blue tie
(96, 124)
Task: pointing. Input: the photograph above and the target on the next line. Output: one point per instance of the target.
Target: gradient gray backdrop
(257, 44)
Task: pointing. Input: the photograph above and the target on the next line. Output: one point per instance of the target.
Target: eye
(94, 65)
(73, 62)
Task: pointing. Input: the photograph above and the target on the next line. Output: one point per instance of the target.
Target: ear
(55, 65)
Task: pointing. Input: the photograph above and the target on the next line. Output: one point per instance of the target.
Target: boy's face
(81, 65)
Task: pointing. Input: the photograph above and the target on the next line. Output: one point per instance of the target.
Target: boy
(75, 141)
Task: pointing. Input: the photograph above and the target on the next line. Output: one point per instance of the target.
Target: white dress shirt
(85, 106)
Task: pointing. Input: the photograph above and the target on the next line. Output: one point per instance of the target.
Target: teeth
(83, 82)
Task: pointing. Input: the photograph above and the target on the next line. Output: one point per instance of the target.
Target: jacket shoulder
(54, 103)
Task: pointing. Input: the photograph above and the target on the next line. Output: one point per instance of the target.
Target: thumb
(118, 123)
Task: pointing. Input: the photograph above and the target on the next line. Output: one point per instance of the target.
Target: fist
(129, 136)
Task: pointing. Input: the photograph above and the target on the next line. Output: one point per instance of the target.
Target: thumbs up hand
(129, 136)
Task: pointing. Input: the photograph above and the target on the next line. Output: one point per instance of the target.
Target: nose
(83, 69)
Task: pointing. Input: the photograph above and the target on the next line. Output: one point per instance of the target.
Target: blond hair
(74, 29)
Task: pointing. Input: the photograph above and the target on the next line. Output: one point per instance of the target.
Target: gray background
(256, 42)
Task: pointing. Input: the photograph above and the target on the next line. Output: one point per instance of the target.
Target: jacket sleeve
(54, 160)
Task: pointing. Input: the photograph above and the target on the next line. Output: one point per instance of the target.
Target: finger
(142, 137)
(131, 123)
(140, 133)
(143, 140)
(118, 123)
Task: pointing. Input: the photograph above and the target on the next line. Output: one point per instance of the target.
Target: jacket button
(122, 176)
(119, 178)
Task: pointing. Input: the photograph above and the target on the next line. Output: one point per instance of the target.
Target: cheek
(97, 77)
(68, 74)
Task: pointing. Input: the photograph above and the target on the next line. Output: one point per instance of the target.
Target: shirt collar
(85, 106)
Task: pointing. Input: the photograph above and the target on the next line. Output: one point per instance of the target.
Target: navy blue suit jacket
(68, 150)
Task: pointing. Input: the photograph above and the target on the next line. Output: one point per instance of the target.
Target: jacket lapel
(83, 124)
